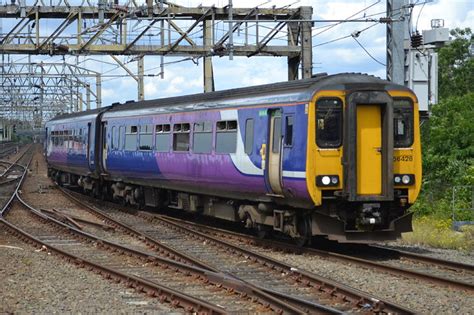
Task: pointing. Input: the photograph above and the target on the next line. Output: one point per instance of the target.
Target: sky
(344, 55)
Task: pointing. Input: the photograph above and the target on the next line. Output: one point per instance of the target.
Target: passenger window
(113, 138)
(402, 123)
(181, 137)
(146, 137)
(329, 123)
(226, 136)
(162, 138)
(289, 131)
(131, 138)
(248, 136)
(120, 137)
(276, 135)
(202, 137)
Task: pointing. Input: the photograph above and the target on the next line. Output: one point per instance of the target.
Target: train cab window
(289, 131)
(402, 123)
(146, 137)
(248, 136)
(162, 138)
(181, 134)
(202, 137)
(131, 138)
(226, 136)
(329, 123)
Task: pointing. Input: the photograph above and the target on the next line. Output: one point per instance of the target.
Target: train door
(104, 145)
(369, 150)
(274, 152)
(90, 158)
(368, 146)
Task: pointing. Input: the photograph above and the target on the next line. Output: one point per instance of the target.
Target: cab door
(369, 150)
(368, 146)
(274, 170)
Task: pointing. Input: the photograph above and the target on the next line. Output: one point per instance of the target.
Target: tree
(448, 137)
(456, 65)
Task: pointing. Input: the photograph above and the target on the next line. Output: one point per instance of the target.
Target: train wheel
(263, 231)
(304, 229)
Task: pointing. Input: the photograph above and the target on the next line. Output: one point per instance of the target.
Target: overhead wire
(349, 17)
(367, 52)
(344, 37)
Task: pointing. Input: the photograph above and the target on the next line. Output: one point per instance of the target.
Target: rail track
(7, 148)
(439, 271)
(205, 291)
(247, 266)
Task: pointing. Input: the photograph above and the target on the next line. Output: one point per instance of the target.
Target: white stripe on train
(242, 161)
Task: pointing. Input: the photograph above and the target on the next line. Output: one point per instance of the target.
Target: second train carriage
(333, 155)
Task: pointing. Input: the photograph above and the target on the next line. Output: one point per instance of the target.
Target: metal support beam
(141, 85)
(293, 61)
(306, 42)
(397, 32)
(138, 77)
(208, 72)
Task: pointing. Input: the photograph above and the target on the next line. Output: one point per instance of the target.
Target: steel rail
(417, 257)
(174, 254)
(360, 261)
(176, 298)
(6, 207)
(227, 281)
(308, 278)
(355, 296)
(288, 303)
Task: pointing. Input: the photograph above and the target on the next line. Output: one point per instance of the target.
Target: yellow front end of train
(363, 162)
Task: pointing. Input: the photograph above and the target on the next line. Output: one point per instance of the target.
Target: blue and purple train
(334, 155)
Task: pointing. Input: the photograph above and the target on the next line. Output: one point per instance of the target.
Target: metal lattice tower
(35, 92)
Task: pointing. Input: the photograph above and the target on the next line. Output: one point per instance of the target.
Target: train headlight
(404, 179)
(327, 180)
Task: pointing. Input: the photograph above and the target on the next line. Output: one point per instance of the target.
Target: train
(336, 156)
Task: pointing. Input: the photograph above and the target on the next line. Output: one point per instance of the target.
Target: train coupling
(370, 214)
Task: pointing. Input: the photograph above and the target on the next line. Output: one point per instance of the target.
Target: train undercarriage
(336, 220)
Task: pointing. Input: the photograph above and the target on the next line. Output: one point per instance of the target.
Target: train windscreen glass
(402, 123)
(329, 123)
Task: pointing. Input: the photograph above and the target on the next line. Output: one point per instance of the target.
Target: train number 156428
(403, 158)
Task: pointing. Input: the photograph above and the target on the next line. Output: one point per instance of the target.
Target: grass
(438, 233)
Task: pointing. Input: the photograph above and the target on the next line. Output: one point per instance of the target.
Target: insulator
(416, 40)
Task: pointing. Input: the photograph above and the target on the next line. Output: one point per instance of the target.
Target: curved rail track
(397, 262)
(208, 292)
(246, 266)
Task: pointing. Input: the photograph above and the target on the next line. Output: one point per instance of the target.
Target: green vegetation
(436, 232)
(448, 151)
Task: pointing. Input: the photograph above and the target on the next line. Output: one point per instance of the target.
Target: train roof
(92, 113)
(281, 92)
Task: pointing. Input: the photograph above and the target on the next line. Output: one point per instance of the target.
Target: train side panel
(238, 173)
(70, 145)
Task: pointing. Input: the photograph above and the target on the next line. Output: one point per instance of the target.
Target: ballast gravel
(423, 297)
(32, 281)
